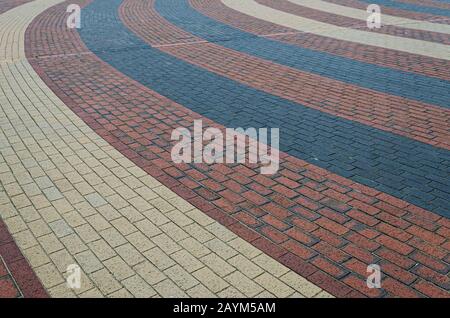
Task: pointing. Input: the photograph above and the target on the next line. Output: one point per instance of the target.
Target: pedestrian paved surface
(86, 175)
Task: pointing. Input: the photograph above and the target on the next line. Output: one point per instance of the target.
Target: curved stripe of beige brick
(363, 15)
(68, 197)
(256, 10)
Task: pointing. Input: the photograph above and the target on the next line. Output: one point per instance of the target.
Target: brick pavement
(72, 198)
(325, 227)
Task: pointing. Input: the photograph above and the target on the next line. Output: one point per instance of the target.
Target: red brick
(287, 182)
(333, 215)
(363, 207)
(298, 265)
(397, 272)
(433, 276)
(298, 249)
(300, 236)
(331, 252)
(310, 193)
(394, 244)
(254, 197)
(430, 290)
(329, 267)
(304, 224)
(329, 237)
(7, 288)
(332, 226)
(430, 262)
(425, 235)
(395, 258)
(433, 250)
(393, 220)
(394, 232)
(359, 253)
(247, 219)
(273, 234)
(329, 284)
(362, 217)
(398, 289)
(269, 248)
(277, 211)
(280, 225)
(361, 285)
(285, 191)
(362, 242)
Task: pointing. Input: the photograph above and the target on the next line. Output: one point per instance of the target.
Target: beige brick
(39, 228)
(98, 222)
(61, 291)
(221, 248)
(87, 233)
(101, 249)
(49, 214)
(61, 228)
(140, 241)
(105, 282)
(174, 231)
(36, 256)
(73, 219)
(113, 237)
(118, 268)
(50, 243)
(148, 228)
(73, 244)
(29, 214)
(199, 232)
(217, 264)
(270, 265)
(129, 254)
(88, 262)
(180, 277)
(210, 279)
(168, 289)
(25, 239)
(138, 287)
(131, 214)
(168, 245)
(194, 247)
(199, 217)
(187, 260)
(49, 275)
(156, 217)
(159, 258)
(274, 285)
(149, 273)
(108, 212)
(244, 265)
(121, 293)
(300, 284)
(231, 292)
(244, 284)
(123, 226)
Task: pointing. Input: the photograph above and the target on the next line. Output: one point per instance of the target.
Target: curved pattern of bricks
(9, 4)
(290, 218)
(410, 7)
(393, 11)
(388, 58)
(428, 3)
(336, 19)
(313, 124)
(70, 197)
(362, 15)
(384, 112)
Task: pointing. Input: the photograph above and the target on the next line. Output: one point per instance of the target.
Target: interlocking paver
(88, 178)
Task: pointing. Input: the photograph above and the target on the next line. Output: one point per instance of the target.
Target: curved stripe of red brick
(336, 19)
(383, 111)
(284, 215)
(395, 12)
(6, 5)
(428, 3)
(384, 57)
(14, 269)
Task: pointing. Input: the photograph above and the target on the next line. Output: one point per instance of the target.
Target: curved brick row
(395, 11)
(384, 112)
(429, 3)
(329, 142)
(386, 80)
(6, 5)
(362, 15)
(378, 56)
(336, 19)
(289, 208)
(71, 198)
(411, 7)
